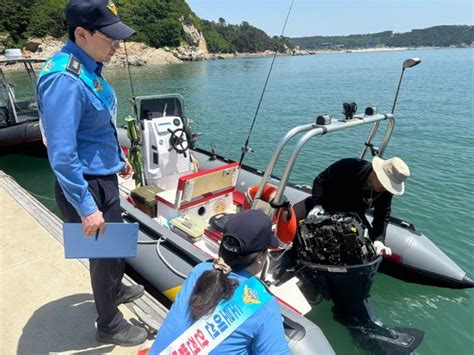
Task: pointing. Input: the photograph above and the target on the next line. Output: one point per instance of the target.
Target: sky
(337, 17)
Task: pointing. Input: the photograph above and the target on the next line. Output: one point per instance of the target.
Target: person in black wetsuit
(356, 185)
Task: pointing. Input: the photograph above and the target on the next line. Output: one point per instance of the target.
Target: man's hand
(127, 171)
(93, 223)
(316, 211)
(381, 249)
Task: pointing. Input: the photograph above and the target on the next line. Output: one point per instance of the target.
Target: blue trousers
(106, 274)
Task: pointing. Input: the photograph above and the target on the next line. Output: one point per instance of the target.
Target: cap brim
(117, 31)
(389, 185)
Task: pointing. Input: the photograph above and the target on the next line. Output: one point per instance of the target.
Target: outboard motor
(337, 261)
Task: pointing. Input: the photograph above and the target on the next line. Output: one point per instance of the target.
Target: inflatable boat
(19, 118)
(181, 196)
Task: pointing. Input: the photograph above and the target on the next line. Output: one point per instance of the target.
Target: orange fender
(286, 224)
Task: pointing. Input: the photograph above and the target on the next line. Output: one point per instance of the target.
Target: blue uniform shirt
(262, 333)
(79, 130)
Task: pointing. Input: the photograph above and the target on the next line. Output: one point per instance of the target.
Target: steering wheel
(178, 141)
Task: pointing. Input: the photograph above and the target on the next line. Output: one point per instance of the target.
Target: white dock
(46, 301)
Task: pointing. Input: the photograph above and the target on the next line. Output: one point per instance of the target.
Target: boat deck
(46, 301)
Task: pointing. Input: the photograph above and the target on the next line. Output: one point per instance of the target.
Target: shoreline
(141, 55)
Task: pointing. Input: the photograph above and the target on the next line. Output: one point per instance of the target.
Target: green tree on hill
(47, 18)
(216, 42)
(228, 38)
(438, 36)
(157, 22)
(14, 19)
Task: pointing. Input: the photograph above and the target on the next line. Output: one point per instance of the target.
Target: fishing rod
(133, 132)
(246, 148)
(131, 81)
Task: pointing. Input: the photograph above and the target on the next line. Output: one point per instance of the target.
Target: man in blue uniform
(78, 113)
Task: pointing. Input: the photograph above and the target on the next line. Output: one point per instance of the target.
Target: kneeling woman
(221, 307)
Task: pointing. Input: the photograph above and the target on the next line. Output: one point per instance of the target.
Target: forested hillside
(158, 23)
(438, 36)
(227, 38)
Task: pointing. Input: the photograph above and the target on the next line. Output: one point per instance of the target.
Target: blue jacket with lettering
(262, 333)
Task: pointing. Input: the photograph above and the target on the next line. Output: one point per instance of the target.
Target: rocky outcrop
(33, 44)
(191, 54)
(195, 46)
(191, 34)
(140, 54)
(42, 47)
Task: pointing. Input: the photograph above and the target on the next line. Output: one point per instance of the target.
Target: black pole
(245, 147)
(131, 81)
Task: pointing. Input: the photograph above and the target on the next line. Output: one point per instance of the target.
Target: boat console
(166, 141)
(180, 188)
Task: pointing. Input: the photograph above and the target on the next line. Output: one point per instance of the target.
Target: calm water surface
(433, 134)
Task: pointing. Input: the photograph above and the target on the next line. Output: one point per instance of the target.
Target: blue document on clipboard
(118, 241)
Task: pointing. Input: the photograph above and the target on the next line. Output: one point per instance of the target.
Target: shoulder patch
(74, 66)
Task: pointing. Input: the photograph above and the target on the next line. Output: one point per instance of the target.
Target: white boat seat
(169, 196)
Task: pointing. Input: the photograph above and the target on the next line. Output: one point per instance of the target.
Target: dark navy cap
(253, 231)
(97, 15)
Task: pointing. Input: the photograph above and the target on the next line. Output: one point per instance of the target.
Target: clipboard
(118, 241)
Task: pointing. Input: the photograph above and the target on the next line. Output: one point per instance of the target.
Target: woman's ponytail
(211, 287)
(214, 285)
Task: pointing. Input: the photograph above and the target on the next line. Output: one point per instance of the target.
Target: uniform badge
(250, 296)
(97, 85)
(74, 66)
(47, 67)
(111, 6)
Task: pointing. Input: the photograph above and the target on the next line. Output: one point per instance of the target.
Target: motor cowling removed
(338, 261)
(338, 240)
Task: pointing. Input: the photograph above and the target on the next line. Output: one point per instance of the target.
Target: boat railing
(10, 94)
(315, 130)
(368, 144)
(276, 154)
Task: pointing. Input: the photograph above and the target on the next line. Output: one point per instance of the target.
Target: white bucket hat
(391, 174)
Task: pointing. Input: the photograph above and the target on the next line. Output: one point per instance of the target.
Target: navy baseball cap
(97, 15)
(252, 229)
